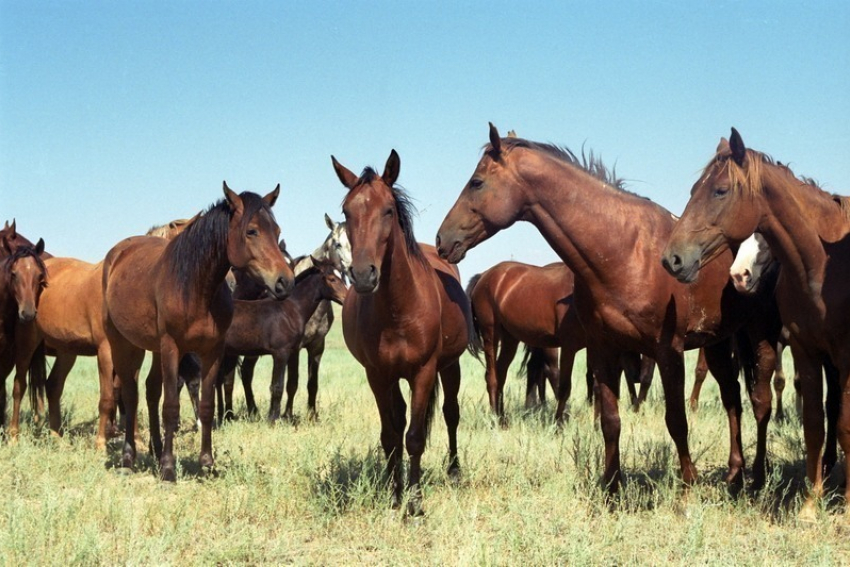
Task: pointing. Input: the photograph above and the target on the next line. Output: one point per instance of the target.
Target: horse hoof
(124, 471)
(168, 474)
(414, 507)
(454, 475)
(808, 513)
(207, 461)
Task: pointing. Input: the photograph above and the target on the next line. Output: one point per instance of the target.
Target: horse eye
(252, 232)
(720, 192)
(388, 213)
(475, 183)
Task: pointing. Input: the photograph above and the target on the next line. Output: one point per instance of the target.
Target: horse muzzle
(450, 249)
(364, 280)
(682, 266)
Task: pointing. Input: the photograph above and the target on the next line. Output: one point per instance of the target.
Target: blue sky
(115, 116)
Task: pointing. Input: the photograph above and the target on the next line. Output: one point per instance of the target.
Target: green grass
(313, 493)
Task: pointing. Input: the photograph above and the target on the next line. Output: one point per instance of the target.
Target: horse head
(25, 276)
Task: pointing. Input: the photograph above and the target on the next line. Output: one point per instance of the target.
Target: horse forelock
(23, 251)
(404, 210)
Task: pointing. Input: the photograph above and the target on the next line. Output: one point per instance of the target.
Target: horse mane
(404, 209)
(204, 241)
(587, 162)
(750, 180)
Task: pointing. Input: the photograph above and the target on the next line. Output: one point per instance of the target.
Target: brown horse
(513, 302)
(624, 298)
(277, 328)
(408, 318)
(742, 191)
(171, 297)
(23, 277)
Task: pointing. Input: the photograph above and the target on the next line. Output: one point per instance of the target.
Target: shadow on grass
(348, 481)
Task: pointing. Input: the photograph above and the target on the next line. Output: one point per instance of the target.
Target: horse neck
(799, 219)
(587, 222)
(401, 275)
(211, 264)
(306, 297)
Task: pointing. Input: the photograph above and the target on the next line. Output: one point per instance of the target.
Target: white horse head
(337, 247)
(752, 259)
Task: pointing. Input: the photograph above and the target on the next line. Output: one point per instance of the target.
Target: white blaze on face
(752, 258)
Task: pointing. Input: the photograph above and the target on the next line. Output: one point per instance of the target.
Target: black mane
(22, 251)
(589, 163)
(204, 242)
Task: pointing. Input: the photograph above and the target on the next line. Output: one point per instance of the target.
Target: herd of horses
(636, 287)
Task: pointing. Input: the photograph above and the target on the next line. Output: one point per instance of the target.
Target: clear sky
(115, 116)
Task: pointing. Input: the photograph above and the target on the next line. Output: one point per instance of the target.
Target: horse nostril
(438, 242)
(282, 285)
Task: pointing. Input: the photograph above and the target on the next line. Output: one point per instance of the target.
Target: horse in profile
(23, 277)
(171, 297)
(277, 328)
(513, 302)
(408, 317)
(625, 300)
(742, 191)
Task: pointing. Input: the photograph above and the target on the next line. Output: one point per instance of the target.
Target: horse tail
(474, 345)
(533, 365)
(38, 378)
(744, 354)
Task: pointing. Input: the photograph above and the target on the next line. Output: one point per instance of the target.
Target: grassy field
(312, 493)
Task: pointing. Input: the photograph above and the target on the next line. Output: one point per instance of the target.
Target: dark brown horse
(171, 298)
(611, 239)
(742, 191)
(277, 328)
(513, 302)
(23, 277)
(408, 318)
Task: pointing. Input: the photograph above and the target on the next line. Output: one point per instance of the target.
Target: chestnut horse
(23, 277)
(742, 191)
(611, 239)
(407, 318)
(277, 328)
(171, 297)
(513, 302)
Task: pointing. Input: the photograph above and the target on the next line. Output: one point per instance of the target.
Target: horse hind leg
(314, 361)
(450, 378)
(700, 372)
(503, 363)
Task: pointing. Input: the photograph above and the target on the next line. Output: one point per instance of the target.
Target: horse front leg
(210, 363)
(725, 371)
(422, 405)
(450, 378)
(170, 362)
(246, 373)
(811, 388)
(314, 360)
(276, 388)
(153, 394)
(761, 399)
(647, 371)
(393, 413)
(607, 368)
(671, 365)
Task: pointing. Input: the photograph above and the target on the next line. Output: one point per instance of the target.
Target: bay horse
(336, 248)
(171, 297)
(624, 298)
(513, 302)
(277, 328)
(23, 277)
(742, 191)
(407, 318)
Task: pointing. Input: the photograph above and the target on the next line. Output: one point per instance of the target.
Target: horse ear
(271, 198)
(723, 146)
(347, 178)
(739, 150)
(495, 142)
(392, 169)
(12, 229)
(39, 247)
(329, 222)
(234, 201)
